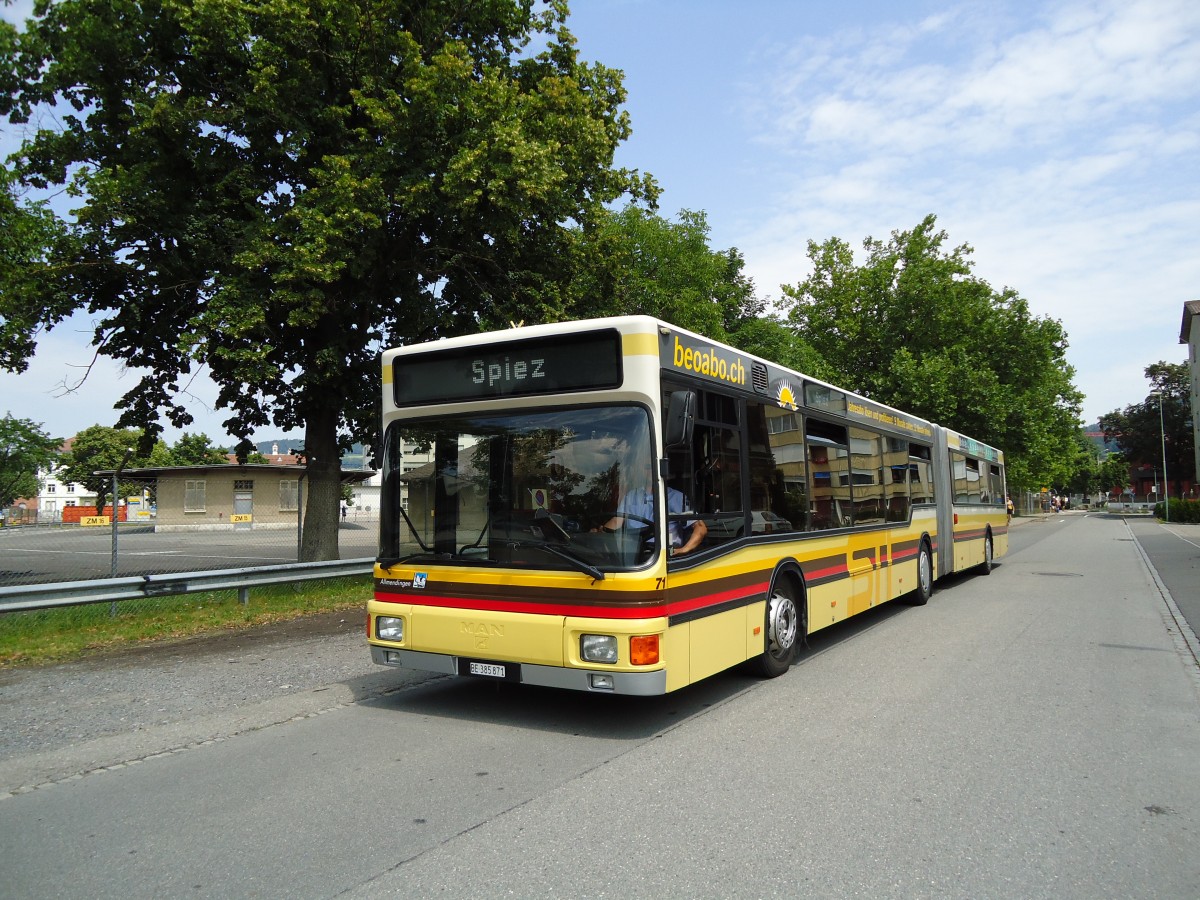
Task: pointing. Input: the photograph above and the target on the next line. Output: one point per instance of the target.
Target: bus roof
(696, 357)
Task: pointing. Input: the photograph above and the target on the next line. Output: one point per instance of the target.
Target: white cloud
(1062, 147)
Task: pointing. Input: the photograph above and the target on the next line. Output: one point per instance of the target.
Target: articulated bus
(622, 506)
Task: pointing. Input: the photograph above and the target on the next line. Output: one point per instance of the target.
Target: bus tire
(924, 590)
(784, 629)
(986, 566)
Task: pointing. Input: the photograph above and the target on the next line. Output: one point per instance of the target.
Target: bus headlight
(598, 648)
(389, 628)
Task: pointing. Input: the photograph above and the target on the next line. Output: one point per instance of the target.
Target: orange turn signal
(643, 650)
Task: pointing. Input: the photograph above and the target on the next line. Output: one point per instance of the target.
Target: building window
(243, 485)
(289, 496)
(193, 496)
(51, 488)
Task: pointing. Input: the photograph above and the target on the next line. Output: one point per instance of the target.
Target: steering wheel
(627, 516)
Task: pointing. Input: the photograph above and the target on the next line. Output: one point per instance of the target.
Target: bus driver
(638, 504)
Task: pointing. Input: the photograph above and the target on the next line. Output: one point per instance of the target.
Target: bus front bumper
(599, 681)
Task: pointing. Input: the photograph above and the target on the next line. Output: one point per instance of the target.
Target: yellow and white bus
(623, 506)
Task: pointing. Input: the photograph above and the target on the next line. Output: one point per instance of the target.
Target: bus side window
(896, 479)
(867, 477)
(966, 478)
(829, 464)
(778, 468)
(920, 473)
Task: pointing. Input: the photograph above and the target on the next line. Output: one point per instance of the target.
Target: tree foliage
(1113, 474)
(637, 262)
(1141, 429)
(196, 450)
(25, 449)
(99, 448)
(271, 192)
(912, 327)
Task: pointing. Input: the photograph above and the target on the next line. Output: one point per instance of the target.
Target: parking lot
(38, 555)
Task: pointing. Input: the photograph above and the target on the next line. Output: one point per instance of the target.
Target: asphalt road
(1033, 733)
(1172, 551)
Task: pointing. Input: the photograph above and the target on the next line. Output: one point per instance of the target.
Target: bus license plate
(491, 670)
(485, 668)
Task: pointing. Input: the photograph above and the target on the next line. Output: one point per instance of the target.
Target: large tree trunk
(323, 488)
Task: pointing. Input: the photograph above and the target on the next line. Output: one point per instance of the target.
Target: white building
(1189, 333)
(367, 494)
(54, 494)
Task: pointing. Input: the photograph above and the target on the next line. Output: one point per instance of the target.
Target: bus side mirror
(681, 415)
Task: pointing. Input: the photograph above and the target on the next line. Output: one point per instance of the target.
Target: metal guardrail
(138, 587)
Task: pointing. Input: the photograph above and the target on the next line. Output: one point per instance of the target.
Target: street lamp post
(1163, 434)
(115, 510)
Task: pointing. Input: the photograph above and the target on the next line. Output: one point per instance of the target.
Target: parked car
(762, 522)
(766, 522)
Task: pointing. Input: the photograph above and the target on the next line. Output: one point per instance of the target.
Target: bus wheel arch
(924, 590)
(785, 623)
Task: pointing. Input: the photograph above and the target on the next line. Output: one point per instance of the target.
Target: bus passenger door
(868, 549)
(863, 564)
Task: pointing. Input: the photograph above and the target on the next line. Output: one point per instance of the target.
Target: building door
(243, 506)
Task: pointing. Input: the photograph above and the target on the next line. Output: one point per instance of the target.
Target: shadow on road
(604, 715)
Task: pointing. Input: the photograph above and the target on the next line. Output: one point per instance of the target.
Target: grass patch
(53, 635)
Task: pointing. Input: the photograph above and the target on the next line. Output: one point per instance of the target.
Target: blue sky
(1061, 140)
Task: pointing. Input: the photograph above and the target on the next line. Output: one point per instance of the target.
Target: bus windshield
(527, 488)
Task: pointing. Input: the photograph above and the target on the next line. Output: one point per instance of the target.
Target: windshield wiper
(386, 562)
(576, 563)
(552, 530)
(584, 567)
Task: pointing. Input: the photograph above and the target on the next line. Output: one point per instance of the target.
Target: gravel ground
(61, 721)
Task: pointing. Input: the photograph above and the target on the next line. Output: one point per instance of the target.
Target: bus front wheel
(784, 631)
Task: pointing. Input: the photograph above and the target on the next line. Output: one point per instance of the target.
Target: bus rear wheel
(784, 631)
(924, 590)
(986, 567)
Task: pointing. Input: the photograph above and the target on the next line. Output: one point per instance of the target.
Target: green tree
(196, 450)
(638, 262)
(30, 235)
(275, 191)
(1113, 476)
(914, 328)
(98, 448)
(24, 451)
(160, 455)
(1141, 429)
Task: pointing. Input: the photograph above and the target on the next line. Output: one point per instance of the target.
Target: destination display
(565, 363)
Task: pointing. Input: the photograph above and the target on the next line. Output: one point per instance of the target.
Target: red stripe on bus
(593, 612)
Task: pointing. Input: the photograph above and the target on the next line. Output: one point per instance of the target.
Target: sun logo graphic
(785, 395)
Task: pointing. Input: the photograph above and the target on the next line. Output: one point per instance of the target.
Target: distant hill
(1096, 434)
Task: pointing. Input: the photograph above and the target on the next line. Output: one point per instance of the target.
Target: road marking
(1171, 530)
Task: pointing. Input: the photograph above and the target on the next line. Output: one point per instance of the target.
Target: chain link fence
(96, 553)
(39, 553)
